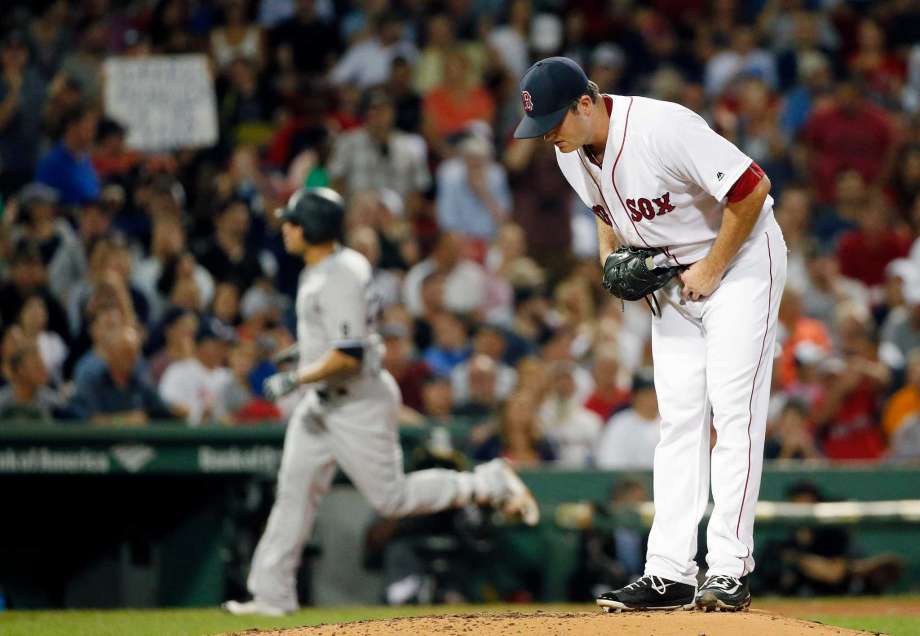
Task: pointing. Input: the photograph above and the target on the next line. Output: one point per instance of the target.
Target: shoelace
(721, 582)
(650, 580)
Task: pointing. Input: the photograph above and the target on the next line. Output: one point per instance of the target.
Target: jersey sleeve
(692, 151)
(343, 310)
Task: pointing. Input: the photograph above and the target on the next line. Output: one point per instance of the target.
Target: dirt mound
(752, 623)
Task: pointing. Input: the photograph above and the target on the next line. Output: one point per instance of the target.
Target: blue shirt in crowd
(73, 177)
(97, 394)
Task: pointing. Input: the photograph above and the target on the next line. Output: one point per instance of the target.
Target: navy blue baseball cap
(548, 89)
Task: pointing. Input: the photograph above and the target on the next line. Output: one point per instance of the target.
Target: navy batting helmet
(319, 211)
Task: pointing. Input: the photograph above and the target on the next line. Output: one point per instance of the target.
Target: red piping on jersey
(753, 385)
(601, 192)
(746, 183)
(613, 173)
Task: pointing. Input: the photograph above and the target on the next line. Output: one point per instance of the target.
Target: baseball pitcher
(347, 418)
(685, 221)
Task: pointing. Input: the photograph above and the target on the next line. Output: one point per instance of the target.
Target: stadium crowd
(142, 287)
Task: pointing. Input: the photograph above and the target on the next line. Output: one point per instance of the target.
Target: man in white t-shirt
(196, 382)
(657, 177)
(629, 439)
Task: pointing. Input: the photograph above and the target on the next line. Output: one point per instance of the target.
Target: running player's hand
(279, 385)
(699, 280)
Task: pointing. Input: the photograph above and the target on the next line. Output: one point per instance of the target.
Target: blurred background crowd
(143, 287)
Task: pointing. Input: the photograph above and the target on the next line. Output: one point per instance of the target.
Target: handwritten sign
(165, 102)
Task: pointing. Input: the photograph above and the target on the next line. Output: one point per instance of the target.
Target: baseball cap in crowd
(37, 192)
(548, 89)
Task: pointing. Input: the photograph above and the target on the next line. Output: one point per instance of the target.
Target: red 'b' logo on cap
(528, 103)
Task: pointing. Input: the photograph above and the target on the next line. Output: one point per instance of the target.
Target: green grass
(891, 625)
(206, 622)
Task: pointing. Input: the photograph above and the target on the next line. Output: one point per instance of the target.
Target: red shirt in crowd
(858, 140)
(864, 257)
(855, 432)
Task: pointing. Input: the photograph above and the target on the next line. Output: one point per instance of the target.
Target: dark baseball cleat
(724, 594)
(649, 593)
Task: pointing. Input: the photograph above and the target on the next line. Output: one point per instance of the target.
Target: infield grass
(207, 622)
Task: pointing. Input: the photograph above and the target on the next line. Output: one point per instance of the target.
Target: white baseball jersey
(663, 183)
(664, 178)
(337, 307)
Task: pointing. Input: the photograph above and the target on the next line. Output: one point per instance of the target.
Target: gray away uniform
(351, 423)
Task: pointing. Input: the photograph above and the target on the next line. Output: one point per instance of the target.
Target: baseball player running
(671, 193)
(347, 416)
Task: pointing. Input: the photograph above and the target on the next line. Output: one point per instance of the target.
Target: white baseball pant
(713, 360)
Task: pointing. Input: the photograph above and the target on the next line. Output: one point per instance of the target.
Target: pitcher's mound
(679, 623)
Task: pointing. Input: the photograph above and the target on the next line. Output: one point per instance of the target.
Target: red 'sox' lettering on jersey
(644, 209)
(601, 213)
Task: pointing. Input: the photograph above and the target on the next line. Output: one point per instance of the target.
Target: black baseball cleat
(724, 594)
(649, 593)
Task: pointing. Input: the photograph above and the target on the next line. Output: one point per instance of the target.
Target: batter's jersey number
(647, 209)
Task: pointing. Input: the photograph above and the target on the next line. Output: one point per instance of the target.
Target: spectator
(22, 96)
(797, 328)
(115, 392)
(510, 40)
(235, 397)
(815, 82)
(743, 58)
(473, 195)
(464, 280)
(847, 417)
(33, 321)
(630, 437)
(518, 438)
(86, 352)
(902, 410)
(378, 156)
(608, 395)
(488, 341)
(237, 38)
(27, 397)
(166, 245)
(245, 105)
(108, 281)
(367, 62)
(28, 277)
(176, 331)
(481, 397)
(790, 436)
(226, 255)
(448, 348)
(437, 401)
(67, 166)
(901, 334)
(539, 194)
(112, 159)
(70, 263)
(42, 227)
(193, 384)
(864, 253)
(454, 104)
(410, 373)
(303, 42)
(825, 288)
(868, 148)
(573, 430)
(406, 100)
